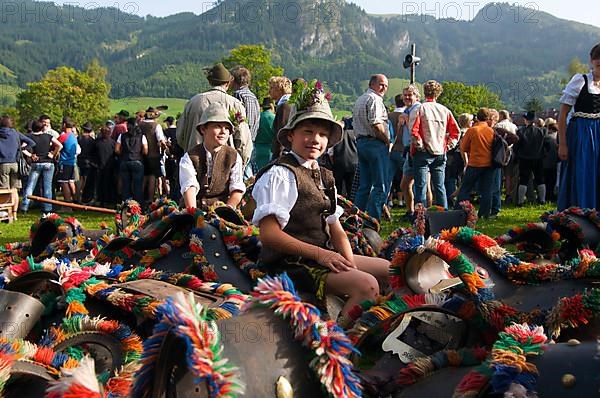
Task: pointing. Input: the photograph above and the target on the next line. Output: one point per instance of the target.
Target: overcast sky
(576, 10)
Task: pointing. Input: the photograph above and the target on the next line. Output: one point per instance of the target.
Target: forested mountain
(516, 51)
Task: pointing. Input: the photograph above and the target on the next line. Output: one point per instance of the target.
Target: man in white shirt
(370, 121)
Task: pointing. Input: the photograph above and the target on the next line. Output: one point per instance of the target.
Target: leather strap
(216, 254)
(105, 349)
(160, 290)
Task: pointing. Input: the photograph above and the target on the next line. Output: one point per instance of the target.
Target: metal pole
(413, 51)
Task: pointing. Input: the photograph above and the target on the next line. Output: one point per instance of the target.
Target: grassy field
(510, 216)
(133, 104)
(18, 231)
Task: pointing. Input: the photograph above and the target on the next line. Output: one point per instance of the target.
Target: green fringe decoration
(72, 325)
(75, 294)
(465, 235)
(461, 265)
(396, 305)
(75, 352)
(134, 274)
(140, 303)
(591, 300)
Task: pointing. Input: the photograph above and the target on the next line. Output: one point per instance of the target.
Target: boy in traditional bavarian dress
(298, 216)
(212, 171)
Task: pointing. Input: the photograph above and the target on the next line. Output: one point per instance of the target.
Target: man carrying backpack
(530, 151)
(476, 149)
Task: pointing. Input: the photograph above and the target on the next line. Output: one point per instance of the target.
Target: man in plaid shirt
(370, 121)
(241, 91)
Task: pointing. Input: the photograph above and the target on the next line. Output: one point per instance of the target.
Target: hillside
(517, 52)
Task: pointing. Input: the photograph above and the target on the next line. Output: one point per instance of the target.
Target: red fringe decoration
(474, 381)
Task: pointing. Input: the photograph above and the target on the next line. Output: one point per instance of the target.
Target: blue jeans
(46, 171)
(484, 178)
(373, 181)
(132, 174)
(436, 165)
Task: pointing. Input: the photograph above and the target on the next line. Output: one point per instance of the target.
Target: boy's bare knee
(367, 286)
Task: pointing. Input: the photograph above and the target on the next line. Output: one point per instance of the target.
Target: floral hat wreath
(309, 101)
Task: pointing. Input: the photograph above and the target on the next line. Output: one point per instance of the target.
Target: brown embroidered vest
(316, 200)
(148, 129)
(215, 188)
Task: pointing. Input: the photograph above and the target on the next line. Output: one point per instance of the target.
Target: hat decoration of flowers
(306, 95)
(236, 118)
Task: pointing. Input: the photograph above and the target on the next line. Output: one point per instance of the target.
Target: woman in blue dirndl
(579, 142)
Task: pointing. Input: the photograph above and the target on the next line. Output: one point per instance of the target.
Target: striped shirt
(252, 109)
(369, 110)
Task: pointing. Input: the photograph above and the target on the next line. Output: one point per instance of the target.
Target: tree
(576, 66)
(257, 60)
(534, 104)
(460, 98)
(64, 91)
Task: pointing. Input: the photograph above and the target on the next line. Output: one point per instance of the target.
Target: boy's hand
(334, 261)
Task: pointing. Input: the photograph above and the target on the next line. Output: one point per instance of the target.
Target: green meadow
(509, 217)
(134, 104)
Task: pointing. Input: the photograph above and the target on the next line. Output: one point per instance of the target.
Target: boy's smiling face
(309, 139)
(216, 134)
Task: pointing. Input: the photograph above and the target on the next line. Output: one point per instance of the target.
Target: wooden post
(73, 205)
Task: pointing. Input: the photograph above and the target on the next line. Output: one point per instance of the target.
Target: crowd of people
(416, 151)
(300, 157)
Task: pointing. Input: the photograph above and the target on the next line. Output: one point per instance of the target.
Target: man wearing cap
(212, 171)
(155, 136)
(530, 151)
(220, 80)
(120, 124)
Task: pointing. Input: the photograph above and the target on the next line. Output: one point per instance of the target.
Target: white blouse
(144, 139)
(188, 178)
(571, 92)
(276, 193)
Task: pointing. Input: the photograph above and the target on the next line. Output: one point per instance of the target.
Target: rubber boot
(521, 195)
(541, 191)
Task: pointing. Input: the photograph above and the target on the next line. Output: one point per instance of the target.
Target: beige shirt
(188, 137)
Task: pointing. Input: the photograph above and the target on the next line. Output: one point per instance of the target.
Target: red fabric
(63, 137)
(118, 130)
